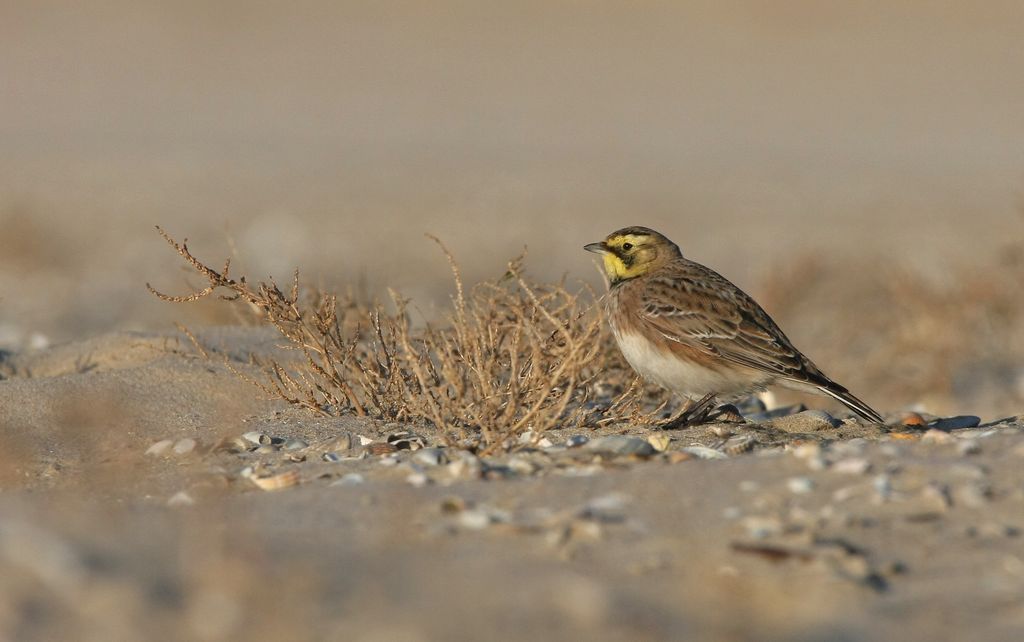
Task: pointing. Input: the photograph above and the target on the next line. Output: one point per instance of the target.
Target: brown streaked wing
(695, 306)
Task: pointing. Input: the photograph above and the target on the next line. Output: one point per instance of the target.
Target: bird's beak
(598, 248)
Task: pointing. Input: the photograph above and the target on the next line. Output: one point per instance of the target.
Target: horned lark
(686, 328)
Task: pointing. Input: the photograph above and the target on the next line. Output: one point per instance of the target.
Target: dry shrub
(512, 355)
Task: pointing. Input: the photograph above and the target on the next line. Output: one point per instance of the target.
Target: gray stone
(295, 444)
(621, 445)
(430, 456)
(350, 479)
(576, 441)
(957, 423)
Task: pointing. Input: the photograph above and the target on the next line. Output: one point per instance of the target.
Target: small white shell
(160, 448)
(279, 481)
(703, 452)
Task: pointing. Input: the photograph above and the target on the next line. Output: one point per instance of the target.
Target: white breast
(683, 377)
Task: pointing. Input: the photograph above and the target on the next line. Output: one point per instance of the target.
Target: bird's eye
(627, 246)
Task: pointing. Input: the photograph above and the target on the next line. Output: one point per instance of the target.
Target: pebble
(453, 504)
(936, 436)
(621, 445)
(739, 444)
(974, 494)
(280, 481)
(430, 457)
(388, 462)
(266, 449)
(806, 421)
(295, 444)
(606, 390)
(678, 456)
(762, 527)
(160, 448)
(349, 479)
(418, 480)
(659, 441)
(332, 457)
(846, 492)
(184, 446)
(883, 487)
(800, 485)
(465, 465)
(606, 508)
(703, 452)
(257, 438)
(522, 466)
(852, 466)
(576, 441)
(340, 443)
(911, 419)
(531, 438)
(957, 423)
(585, 471)
(722, 431)
(181, 498)
(474, 519)
(234, 445)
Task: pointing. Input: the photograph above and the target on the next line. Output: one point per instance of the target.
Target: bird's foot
(692, 413)
(726, 414)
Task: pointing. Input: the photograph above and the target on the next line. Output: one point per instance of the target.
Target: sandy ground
(857, 169)
(795, 530)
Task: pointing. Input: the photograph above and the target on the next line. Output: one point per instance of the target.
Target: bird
(688, 329)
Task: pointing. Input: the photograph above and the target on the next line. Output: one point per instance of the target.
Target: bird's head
(632, 252)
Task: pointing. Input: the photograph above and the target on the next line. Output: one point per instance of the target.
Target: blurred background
(857, 167)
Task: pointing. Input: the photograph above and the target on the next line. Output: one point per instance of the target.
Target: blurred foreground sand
(857, 168)
(857, 534)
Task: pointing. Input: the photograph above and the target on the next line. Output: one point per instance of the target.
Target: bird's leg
(692, 413)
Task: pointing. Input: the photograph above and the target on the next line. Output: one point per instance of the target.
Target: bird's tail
(853, 403)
